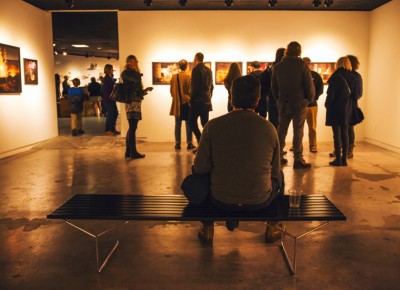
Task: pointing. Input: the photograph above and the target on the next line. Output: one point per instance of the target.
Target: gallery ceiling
(95, 23)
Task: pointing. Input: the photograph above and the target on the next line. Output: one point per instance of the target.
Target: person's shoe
(190, 146)
(272, 234)
(109, 133)
(137, 155)
(284, 152)
(344, 161)
(206, 234)
(336, 162)
(116, 133)
(313, 150)
(284, 161)
(291, 149)
(332, 154)
(232, 225)
(350, 152)
(195, 151)
(177, 146)
(81, 132)
(301, 164)
(74, 132)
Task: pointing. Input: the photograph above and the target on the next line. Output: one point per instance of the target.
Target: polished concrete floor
(36, 253)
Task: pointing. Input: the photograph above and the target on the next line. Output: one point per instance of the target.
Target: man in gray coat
(293, 89)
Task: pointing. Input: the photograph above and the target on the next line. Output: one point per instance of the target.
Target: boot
(206, 234)
(350, 152)
(337, 161)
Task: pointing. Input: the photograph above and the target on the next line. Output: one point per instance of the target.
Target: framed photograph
(191, 65)
(325, 70)
(10, 70)
(263, 65)
(163, 71)
(30, 71)
(221, 70)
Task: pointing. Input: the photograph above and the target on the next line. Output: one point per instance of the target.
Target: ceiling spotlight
(182, 2)
(228, 3)
(70, 3)
(272, 3)
(148, 3)
(316, 3)
(328, 3)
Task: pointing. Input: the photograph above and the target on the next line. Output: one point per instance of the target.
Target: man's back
(244, 149)
(202, 84)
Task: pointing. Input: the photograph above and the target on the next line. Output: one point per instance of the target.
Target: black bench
(176, 208)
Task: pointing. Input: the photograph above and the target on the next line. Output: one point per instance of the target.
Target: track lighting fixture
(228, 3)
(272, 3)
(328, 3)
(70, 3)
(182, 2)
(148, 3)
(316, 3)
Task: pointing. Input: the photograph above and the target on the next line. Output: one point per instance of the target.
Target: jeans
(178, 126)
(341, 141)
(312, 125)
(198, 109)
(112, 115)
(352, 136)
(76, 121)
(131, 137)
(285, 117)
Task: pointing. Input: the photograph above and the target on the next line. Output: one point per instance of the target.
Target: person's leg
(337, 145)
(79, 124)
(312, 127)
(204, 114)
(189, 136)
(284, 121)
(178, 125)
(114, 116)
(298, 132)
(352, 138)
(194, 113)
(273, 115)
(74, 131)
(345, 144)
(108, 117)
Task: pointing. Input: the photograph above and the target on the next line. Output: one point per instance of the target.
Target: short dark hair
(108, 69)
(183, 64)
(199, 56)
(293, 49)
(76, 82)
(92, 79)
(245, 92)
(354, 62)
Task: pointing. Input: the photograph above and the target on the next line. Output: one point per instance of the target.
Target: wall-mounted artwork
(263, 65)
(221, 71)
(30, 71)
(10, 70)
(325, 69)
(163, 71)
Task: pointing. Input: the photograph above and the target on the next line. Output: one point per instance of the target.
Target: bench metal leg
(96, 237)
(292, 266)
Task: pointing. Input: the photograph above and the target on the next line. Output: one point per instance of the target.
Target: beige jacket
(184, 81)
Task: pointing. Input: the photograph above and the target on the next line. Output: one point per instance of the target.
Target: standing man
(262, 104)
(293, 88)
(200, 97)
(312, 109)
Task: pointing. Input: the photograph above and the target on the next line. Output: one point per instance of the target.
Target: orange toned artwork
(31, 71)
(221, 71)
(10, 70)
(263, 65)
(325, 70)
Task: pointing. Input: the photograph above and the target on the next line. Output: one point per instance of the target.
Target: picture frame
(221, 70)
(10, 69)
(263, 65)
(163, 71)
(31, 71)
(325, 70)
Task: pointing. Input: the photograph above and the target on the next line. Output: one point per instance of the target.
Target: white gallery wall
(383, 85)
(31, 116)
(235, 36)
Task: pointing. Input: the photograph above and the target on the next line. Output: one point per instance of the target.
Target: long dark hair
(280, 53)
(233, 73)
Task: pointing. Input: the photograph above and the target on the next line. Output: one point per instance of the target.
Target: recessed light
(99, 48)
(79, 45)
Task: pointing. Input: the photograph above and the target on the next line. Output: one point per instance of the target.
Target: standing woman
(338, 108)
(132, 78)
(355, 64)
(233, 73)
(111, 105)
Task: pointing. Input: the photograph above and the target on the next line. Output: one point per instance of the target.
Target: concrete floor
(36, 253)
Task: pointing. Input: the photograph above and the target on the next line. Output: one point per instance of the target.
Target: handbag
(120, 94)
(184, 107)
(357, 115)
(196, 187)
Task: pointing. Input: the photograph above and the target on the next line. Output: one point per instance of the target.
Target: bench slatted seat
(176, 208)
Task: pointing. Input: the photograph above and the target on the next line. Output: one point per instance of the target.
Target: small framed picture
(221, 70)
(10, 70)
(31, 71)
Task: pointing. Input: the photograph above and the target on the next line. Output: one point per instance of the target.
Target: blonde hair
(343, 62)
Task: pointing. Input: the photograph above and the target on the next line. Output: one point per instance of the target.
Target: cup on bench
(295, 197)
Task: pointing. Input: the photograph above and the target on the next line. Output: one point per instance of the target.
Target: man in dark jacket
(200, 95)
(312, 109)
(293, 88)
(262, 104)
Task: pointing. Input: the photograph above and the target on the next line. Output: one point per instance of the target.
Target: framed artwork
(221, 70)
(263, 65)
(325, 70)
(10, 70)
(163, 71)
(30, 71)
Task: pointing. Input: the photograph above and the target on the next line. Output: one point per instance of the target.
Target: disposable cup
(295, 197)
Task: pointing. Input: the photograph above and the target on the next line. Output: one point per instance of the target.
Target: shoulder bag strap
(179, 89)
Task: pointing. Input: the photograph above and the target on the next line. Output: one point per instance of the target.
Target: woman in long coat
(338, 108)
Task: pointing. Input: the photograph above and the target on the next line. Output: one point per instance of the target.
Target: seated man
(240, 150)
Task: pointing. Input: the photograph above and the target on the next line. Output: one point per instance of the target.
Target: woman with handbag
(132, 79)
(111, 105)
(339, 109)
(180, 93)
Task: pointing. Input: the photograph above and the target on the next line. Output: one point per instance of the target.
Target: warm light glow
(64, 53)
(79, 45)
